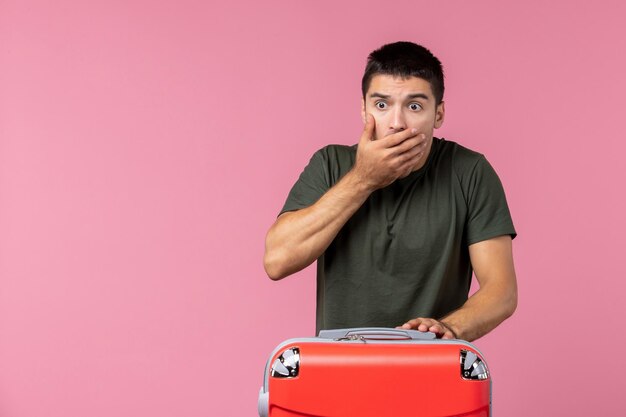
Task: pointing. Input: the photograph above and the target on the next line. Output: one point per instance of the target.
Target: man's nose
(398, 122)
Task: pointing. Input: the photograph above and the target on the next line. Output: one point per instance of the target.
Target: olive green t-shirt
(404, 253)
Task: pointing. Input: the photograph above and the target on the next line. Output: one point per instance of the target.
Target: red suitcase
(377, 372)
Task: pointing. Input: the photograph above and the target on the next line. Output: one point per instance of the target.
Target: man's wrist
(358, 183)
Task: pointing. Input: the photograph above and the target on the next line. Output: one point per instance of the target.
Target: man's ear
(439, 114)
(363, 110)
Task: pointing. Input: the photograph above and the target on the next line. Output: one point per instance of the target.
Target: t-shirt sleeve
(311, 185)
(488, 211)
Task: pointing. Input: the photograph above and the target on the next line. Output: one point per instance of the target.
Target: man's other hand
(441, 330)
(381, 162)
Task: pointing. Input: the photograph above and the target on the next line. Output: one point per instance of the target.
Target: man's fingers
(436, 328)
(404, 162)
(429, 325)
(417, 324)
(411, 324)
(398, 137)
(411, 153)
(448, 335)
(370, 127)
(418, 141)
(441, 331)
(408, 160)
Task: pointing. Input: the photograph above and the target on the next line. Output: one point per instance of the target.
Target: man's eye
(381, 104)
(415, 106)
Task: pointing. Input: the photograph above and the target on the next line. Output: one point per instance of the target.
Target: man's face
(398, 104)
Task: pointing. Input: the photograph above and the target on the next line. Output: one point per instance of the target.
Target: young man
(399, 221)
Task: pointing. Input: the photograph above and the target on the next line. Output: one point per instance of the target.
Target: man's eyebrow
(379, 95)
(418, 95)
(409, 96)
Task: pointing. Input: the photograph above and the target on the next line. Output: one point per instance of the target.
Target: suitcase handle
(376, 333)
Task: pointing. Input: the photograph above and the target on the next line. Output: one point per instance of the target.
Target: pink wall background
(146, 147)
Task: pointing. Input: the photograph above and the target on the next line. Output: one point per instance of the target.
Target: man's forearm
(299, 238)
(482, 312)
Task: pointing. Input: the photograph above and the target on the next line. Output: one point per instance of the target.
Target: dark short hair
(405, 59)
